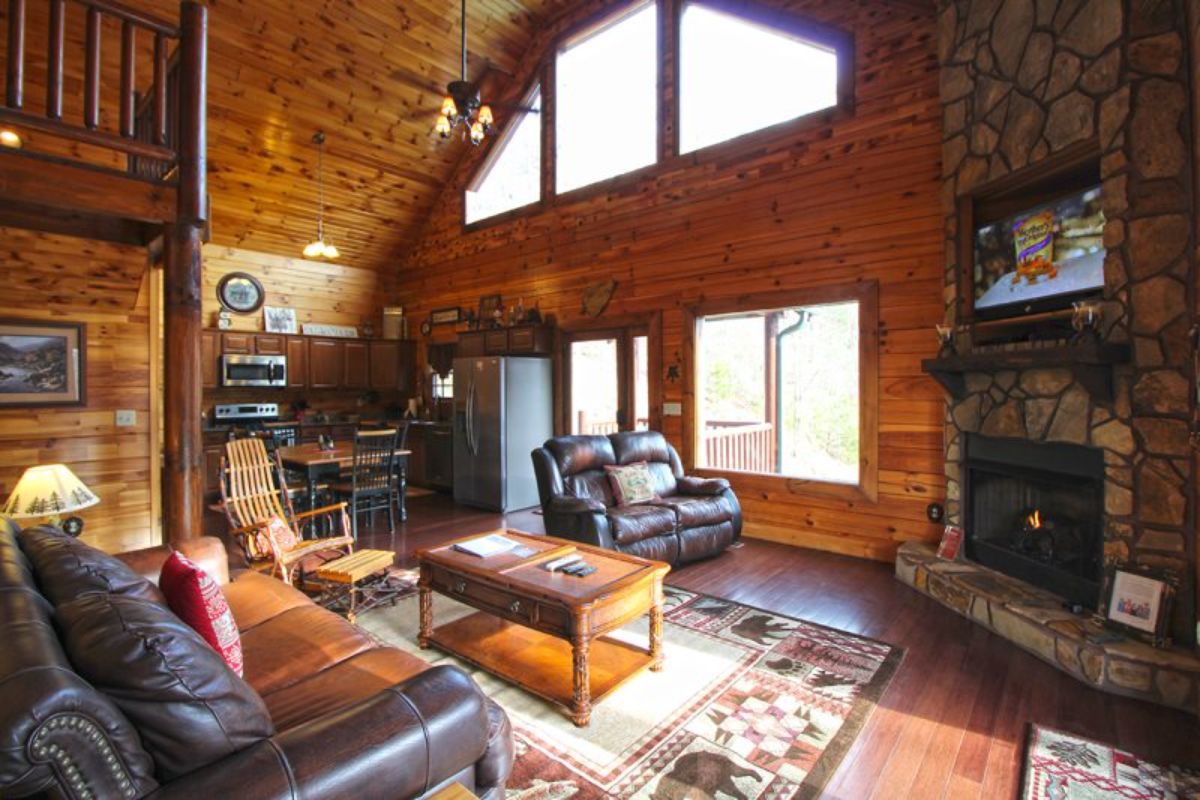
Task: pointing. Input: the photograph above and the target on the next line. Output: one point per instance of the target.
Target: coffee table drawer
(492, 599)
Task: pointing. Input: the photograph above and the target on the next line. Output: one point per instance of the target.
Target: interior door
(606, 380)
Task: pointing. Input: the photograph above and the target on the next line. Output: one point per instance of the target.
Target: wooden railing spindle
(15, 85)
(160, 89)
(91, 70)
(54, 58)
(128, 79)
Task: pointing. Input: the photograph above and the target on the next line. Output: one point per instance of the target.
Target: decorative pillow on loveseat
(189, 708)
(631, 483)
(197, 600)
(67, 568)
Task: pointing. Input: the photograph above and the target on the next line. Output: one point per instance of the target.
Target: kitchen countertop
(423, 423)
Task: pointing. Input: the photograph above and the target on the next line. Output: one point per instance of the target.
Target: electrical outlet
(672, 409)
(126, 418)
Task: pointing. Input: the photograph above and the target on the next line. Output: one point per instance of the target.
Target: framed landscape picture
(41, 363)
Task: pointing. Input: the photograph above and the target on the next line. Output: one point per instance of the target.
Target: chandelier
(461, 107)
(319, 248)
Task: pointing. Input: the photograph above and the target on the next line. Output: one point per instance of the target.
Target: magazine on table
(493, 544)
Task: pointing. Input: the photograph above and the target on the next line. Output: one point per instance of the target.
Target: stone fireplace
(1035, 512)
(1023, 82)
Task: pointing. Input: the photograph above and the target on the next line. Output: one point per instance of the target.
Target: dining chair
(373, 483)
(254, 493)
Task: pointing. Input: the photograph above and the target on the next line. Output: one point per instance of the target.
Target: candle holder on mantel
(1086, 316)
(945, 334)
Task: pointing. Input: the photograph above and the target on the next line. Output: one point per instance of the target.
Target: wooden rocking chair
(254, 492)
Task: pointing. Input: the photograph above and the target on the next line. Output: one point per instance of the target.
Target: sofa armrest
(398, 743)
(578, 519)
(564, 504)
(704, 487)
(208, 552)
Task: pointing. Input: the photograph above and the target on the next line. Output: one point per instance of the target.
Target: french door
(606, 383)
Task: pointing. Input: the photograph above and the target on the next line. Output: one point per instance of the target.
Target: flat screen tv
(1040, 259)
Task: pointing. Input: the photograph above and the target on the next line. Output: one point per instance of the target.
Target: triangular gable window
(512, 176)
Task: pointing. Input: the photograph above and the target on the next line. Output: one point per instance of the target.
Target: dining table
(318, 463)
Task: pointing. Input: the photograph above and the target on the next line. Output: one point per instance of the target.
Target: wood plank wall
(844, 200)
(321, 292)
(106, 286)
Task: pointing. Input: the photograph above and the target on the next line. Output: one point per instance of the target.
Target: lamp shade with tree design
(49, 490)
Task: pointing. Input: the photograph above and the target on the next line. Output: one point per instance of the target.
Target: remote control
(559, 563)
(587, 570)
(576, 569)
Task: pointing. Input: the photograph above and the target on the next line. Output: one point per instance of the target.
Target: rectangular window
(512, 175)
(780, 388)
(606, 111)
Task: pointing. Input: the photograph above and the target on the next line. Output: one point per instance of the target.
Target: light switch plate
(126, 418)
(672, 409)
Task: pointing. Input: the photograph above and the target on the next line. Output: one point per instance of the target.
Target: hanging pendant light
(319, 247)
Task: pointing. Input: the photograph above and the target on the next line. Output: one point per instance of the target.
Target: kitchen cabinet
(355, 365)
(297, 362)
(240, 344)
(431, 464)
(325, 368)
(393, 366)
(209, 377)
(270, 344)
(520, 340)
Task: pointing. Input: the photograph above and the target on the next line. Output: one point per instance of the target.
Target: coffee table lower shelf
(539, 663)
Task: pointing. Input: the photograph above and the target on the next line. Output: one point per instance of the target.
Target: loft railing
(743, 446)
(587, 426)
(144, 125)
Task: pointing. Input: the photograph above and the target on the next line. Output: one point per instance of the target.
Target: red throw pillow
(197, 600)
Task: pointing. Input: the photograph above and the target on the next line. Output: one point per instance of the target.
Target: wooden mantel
(1091, 363)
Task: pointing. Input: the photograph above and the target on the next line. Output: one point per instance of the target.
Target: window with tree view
(512, 176)
(778, 392)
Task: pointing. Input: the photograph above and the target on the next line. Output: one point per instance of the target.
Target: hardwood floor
(952, 723)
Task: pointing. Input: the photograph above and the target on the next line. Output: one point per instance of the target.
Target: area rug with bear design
(750, 705)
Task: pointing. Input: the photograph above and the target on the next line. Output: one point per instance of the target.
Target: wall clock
(240, 292)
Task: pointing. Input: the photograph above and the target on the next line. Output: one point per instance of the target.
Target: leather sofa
(323, 710)
(692, 518)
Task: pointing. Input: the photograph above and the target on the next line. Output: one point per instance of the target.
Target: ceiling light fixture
(461, 105)
(319, 248)
(10, 138)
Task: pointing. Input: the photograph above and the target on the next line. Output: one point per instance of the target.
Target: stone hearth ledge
(1035, 620)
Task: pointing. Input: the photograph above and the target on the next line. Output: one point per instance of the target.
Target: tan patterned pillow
(631, 483)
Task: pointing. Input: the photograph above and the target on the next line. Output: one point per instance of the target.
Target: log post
(183, 490)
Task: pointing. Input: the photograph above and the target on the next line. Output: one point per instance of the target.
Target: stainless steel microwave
(254, 371)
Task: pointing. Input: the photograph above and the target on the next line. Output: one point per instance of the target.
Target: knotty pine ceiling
(370, 73)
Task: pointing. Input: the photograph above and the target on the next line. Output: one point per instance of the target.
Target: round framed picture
(240, 292)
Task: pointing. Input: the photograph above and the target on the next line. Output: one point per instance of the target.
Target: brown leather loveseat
(104, 693)
(692, 518)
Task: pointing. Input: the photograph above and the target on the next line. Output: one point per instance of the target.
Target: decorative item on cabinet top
(279, 320)
(338, 331)
(241, 293)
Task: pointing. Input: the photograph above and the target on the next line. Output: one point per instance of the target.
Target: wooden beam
(99, 138)
(15, 86)
(54, 59)
(66, 223)
(67, 186)
(183, 452)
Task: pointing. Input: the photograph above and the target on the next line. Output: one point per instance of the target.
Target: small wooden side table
(353, 574)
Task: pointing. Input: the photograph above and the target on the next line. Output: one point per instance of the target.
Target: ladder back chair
(254, 492)
(373, 483)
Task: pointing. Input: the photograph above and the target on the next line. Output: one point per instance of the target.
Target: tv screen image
(1041, 258)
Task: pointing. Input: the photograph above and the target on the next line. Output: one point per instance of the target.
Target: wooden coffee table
(542, 631)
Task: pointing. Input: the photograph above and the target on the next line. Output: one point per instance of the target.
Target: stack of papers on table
(486, 546)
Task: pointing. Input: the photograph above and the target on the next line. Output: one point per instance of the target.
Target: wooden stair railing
(142, 143)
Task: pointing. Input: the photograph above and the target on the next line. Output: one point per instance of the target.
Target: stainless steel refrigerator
(503, 409)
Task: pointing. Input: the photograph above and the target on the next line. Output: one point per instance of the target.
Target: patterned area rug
(750, 705)
(1062, 766)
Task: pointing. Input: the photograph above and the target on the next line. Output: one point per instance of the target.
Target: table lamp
(50, 490)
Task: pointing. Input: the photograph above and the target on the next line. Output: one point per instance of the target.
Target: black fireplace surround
(1035, 511)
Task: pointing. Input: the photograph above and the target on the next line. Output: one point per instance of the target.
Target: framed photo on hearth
(1138, 601)
(42, 363)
